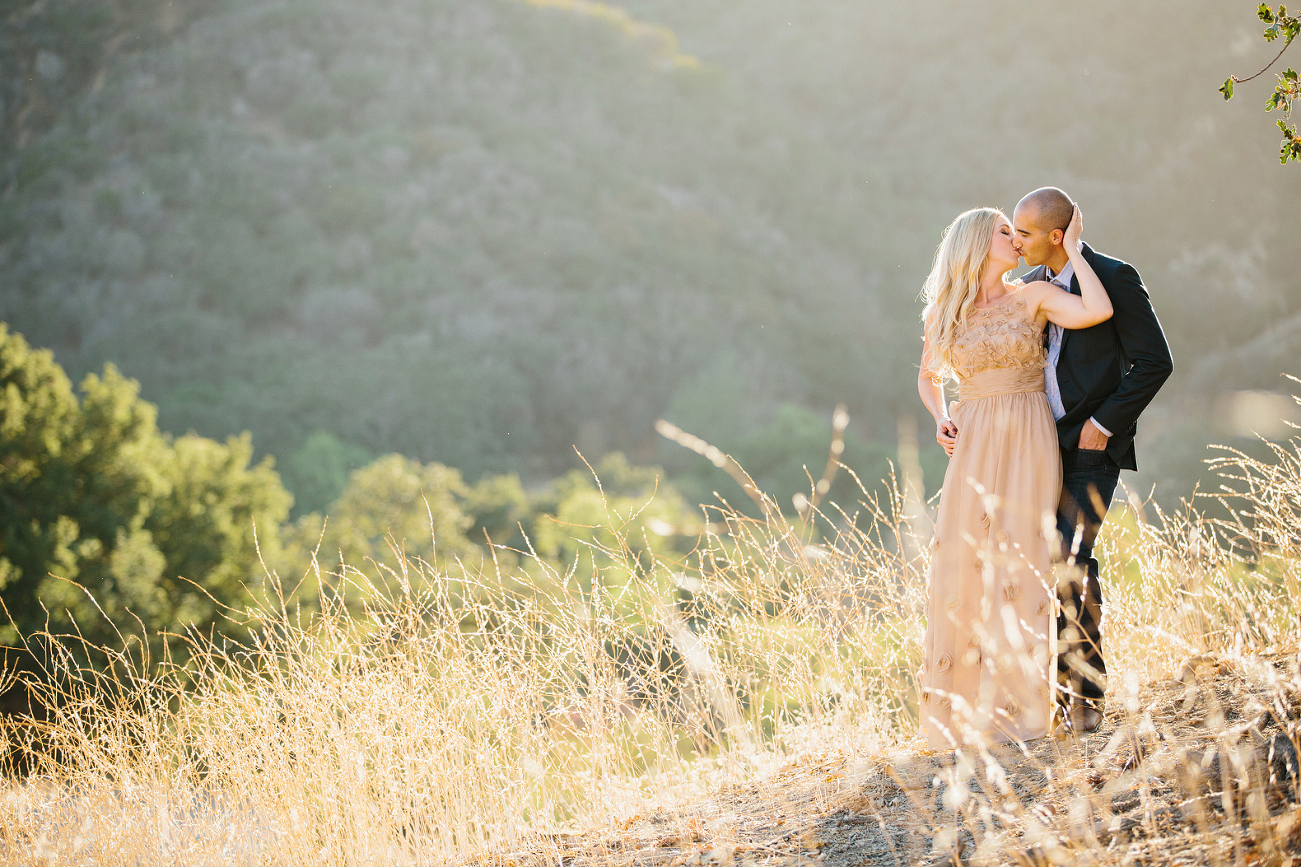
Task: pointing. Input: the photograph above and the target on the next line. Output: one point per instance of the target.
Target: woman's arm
(931, 389)
(1062, 308)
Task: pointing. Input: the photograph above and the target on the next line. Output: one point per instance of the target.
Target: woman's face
(1001, 249)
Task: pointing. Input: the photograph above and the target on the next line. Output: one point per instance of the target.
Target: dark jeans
(1088, 484)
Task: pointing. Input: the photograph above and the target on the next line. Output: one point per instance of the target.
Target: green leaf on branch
(1291, 147)
(1288, 89)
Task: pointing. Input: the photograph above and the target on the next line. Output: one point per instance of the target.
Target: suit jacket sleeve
(1144, 347)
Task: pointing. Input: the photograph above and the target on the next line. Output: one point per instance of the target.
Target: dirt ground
(1199, 769)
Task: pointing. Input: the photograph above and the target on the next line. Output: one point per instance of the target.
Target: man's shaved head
(1040, 222)
(1048, 207)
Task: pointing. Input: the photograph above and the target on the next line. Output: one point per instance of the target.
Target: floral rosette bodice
(1001, 336)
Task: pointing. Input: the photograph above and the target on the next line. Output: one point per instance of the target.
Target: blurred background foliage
(117, 535)
(94, 497)
(481, 233)
(430, 251)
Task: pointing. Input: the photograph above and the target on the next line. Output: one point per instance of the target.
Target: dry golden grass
(751, 702)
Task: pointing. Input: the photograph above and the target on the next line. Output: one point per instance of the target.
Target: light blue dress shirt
(1055, 334)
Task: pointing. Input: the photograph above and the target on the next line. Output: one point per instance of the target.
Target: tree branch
(1237, 80)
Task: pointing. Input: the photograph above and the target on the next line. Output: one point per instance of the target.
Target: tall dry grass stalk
(426, 718)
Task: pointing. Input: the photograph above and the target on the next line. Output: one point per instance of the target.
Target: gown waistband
(1006, 380)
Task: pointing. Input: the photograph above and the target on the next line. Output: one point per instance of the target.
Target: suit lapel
(1075, 280)
(1075, 290)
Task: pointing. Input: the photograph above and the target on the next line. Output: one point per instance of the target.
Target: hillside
(430, 228)
(485, 233)
(1114, 101)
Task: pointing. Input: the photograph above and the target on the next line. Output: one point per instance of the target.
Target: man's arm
(1144, 346)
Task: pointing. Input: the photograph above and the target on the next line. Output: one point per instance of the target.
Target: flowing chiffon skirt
(991, 608)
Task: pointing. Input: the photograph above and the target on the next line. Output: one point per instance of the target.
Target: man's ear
(1056, 236)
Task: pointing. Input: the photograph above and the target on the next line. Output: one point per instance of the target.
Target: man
(1098, 381)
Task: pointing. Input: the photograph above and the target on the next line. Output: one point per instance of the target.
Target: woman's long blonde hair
(950, 290)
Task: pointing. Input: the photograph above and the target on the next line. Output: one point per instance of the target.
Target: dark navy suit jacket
(1111, 371)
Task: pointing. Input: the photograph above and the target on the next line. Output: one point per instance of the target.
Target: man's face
(1031, 241)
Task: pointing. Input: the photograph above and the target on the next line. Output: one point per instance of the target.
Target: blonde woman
(991, 596)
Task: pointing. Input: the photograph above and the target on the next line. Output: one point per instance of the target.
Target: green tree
(616, 507)
(317, 472)
(1285, 27)
(398, 508)
(104, 520)
(394, 504)
(500, 510)
(786, 456)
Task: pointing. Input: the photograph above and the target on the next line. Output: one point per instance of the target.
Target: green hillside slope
(1114, 101)
(474, 233)
(482, 233)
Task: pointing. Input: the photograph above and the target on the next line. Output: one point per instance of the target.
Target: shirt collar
(1064, 278)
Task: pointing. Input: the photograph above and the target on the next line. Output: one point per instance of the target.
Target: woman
(991, 599)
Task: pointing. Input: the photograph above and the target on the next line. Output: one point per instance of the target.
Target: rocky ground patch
(1198, 769)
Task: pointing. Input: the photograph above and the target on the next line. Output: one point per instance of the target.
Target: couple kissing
(1052, 372)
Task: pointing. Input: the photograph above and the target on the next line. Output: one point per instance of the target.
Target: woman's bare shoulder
(1034, 291)
(1022, 284)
